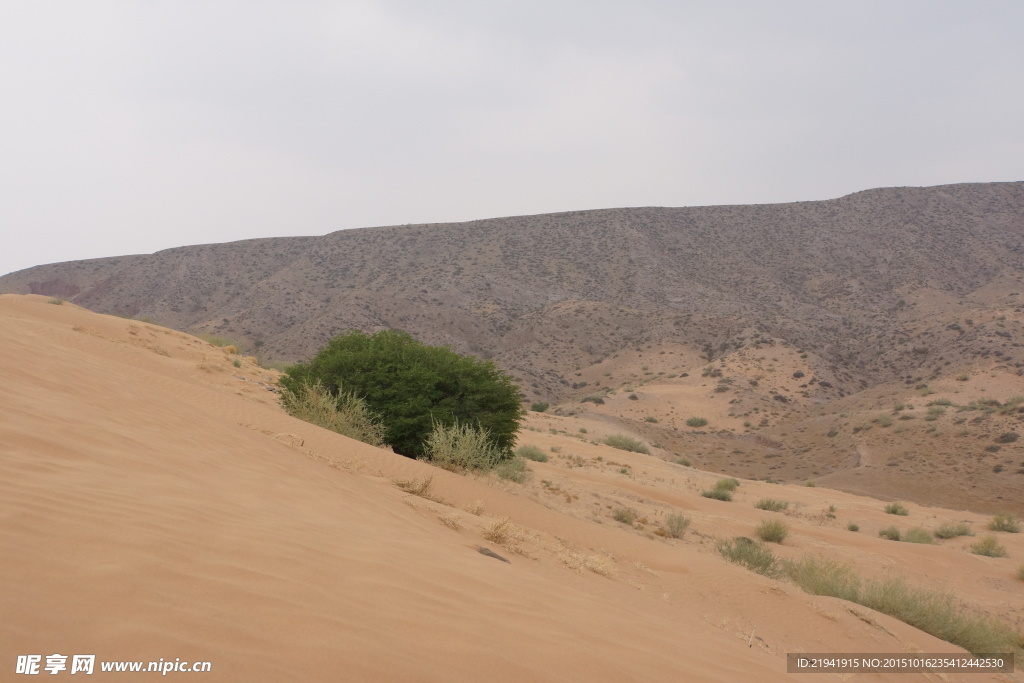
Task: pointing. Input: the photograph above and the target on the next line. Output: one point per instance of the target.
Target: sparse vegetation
(676, 525)
(532, 453)
(626, 443)
(772, 531)
(952, 530)
(696, 422)
(723, 489)
(939, 614)
(896, 509)
(891, 533)
(989, 546)
(751, 554)
(1004, 522)
(343, 412)
(771, 505)
(56, 301)
(539, 406)
(685, 462)
(513, 469)
(852, 527)
(462, 447)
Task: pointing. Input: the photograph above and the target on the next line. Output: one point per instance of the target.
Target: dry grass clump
(451, 520)
(892, 533)
(1004, 522)
(1020, 572)
(580, 561)
(989, 547)
(623, 515)
(626, 443)
(749, 553)
(772, 531)
(676, 525)
(346, 413)
(507, 534)
(897, 509)
(56, 301)
(417, 487)
(475, 508)
(771, 505)
(951, 530)
(939, 614)
(461, 447)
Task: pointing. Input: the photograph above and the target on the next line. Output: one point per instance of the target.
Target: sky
(131, 127)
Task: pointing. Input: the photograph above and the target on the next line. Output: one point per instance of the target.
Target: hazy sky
(129, 127)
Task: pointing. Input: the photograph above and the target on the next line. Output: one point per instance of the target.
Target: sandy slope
(156, 502)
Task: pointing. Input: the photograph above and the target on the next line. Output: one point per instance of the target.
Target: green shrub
(651, 419)
(696, 422)
(56, 301)
(750, 554)
(729, 484)
(891, 533)
(539, 406)
(625, 516)
(676, 525)
(897, 509)
(918, 535)
(343, 412)
(532, 453)
(462, 447)
(951, 530)
(685, 462)
(852, 527)
(237, 363)
(822, 576)
(626, 443)
(413, 387)
(810, 483)
(772, 531)
(1004, 522)
(771, 505)
(989, 547)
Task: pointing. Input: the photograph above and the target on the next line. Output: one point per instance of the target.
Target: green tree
(412, 386)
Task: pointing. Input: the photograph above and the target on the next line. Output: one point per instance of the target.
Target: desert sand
(158, 503)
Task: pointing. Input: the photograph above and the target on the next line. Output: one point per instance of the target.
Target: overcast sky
(130, 127)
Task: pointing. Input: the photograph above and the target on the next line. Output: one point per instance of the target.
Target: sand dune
(157, 503)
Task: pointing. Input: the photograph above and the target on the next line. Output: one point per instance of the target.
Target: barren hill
(159, 505)
(792, 326)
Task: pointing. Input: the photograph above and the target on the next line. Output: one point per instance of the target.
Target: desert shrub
(1004, 522)
(532, 453)
(596, 400)
(729, 484)
(852, 526)
(634, 397)
(771, 505)
(891, 533)
(897, 509)
(342, 412)
(772, 531)
(650, 418)
(939, 614)
(883, 420)
(951, 530)
(754, 556)
(717, 494)
(539, 406)
(237, 363)
(413, 387)
(1020, 572)
(626, 443)
(56, 301)
(822, 576)
(810, 483)
(989, 547)
(685, 462)
(462, 447)
(513, 469)
(918, 535)
(696, 422)
(1007, 437)
(676, 525)
(623, 515)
